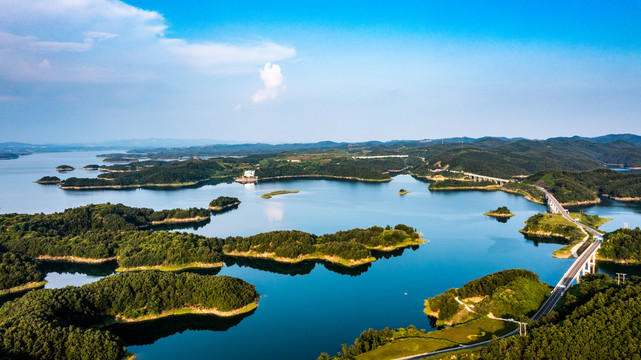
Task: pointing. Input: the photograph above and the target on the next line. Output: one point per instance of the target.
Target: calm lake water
(311, 308)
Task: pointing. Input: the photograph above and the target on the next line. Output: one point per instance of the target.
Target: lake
(311, 308)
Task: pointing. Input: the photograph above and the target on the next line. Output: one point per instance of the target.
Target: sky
(305, 71)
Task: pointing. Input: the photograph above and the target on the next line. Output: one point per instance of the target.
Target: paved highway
(556, 293)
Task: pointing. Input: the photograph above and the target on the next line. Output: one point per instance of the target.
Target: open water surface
(311, 308)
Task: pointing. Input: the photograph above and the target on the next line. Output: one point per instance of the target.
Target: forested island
(471, 312)
(223, 202)
(66, 323)
(53, 180)
(64, 168)
(95, 233)
(501, 212)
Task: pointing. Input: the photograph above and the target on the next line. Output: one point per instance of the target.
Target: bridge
(477, 178)
(585, 263)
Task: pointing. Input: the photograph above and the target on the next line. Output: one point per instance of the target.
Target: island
(129, 236)
(557, 229)
(49, 180)
(279, 192)
(91, 167)
(403, 192)
(223, 202)
(31, 327)
(479, 310)
(64, 168)
(500, 212)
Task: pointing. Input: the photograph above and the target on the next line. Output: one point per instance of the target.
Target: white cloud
(110, 41)
(273, 80)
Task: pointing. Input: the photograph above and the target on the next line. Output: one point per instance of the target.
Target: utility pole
(620, 278)
(522, 328)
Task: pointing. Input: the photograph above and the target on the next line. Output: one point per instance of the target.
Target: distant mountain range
(174, 148)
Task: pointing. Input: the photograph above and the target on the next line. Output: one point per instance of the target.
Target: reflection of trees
(94, 269)
(301, 268)
(148, 332)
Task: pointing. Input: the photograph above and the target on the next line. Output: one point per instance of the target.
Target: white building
(249, 173)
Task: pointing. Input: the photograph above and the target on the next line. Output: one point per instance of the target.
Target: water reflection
(148, 332)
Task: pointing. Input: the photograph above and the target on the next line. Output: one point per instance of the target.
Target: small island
(280, 192)
(64, 168)
(91, 167)
(500, 212)
(403, 192)
(223, 202)
(49, 180)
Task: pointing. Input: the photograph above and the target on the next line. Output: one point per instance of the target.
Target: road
(556, 293)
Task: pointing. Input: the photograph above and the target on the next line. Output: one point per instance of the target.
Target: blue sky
(292, 71)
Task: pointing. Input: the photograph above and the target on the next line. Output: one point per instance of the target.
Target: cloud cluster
(109, 41)
(273, 80)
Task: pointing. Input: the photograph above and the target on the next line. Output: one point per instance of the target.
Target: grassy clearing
(473, 331)
(405, 347)
(593, 221)
(280, 192)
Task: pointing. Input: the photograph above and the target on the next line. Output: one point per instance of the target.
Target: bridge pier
(589, 267)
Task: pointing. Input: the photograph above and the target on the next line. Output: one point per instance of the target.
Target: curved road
(556, 293)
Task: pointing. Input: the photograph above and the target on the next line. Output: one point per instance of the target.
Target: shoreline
(323, 176)
(119, 319)
(75, 259)
(320, 257)
(499, 215)
(28, 286)
(192, 265)
(195, 219)
(221, 208)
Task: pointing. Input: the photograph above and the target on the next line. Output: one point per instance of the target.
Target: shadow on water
(100, 269)
(181, 226)
(545, 240)
(148, 332)
(612, 268)
(301, 268)
(224, 211)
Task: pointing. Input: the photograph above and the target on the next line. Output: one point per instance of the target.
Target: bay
(311, 308)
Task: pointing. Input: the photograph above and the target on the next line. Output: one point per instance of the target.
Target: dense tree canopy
(623, 244)
(16, 270)
(62, 323)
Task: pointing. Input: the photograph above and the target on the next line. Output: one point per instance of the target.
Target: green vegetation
(545, 225)
(49, 180)
(586, 187)
(17, 270)
(593, 221)
(528, 191)
(508, 293)
(280, 192)
(223, 202)
(403, 192)
(349, 248)
(64, 323)
(64, 168)
(623, 245)
(91, 167)
(598, 320)
(106, 231)
(451, 184)
(501, 211)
